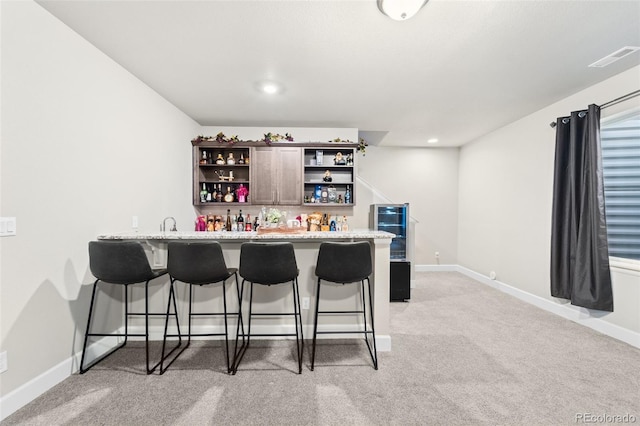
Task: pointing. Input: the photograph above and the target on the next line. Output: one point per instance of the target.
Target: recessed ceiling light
(270, 87)
(432, 140)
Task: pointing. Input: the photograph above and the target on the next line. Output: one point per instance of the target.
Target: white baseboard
(576, 314)
(437, 268)
(35, 387)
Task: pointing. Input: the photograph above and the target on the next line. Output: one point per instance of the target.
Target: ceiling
(456, 71)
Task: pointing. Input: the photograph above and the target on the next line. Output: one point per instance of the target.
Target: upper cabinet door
(276, 176)
(289, 167)
(263, 169)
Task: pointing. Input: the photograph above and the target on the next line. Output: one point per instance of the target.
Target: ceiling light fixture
(270, 88)
(400, 10)
(432, 140)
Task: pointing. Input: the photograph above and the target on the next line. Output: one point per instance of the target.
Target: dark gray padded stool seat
(269, 264)
(346, 263)
(121, 263)
(198, 264)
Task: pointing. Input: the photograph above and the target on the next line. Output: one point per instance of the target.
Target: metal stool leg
(296, 316)
(315, 327)
(374, 354)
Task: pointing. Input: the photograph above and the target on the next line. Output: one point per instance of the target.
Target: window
(620, 138)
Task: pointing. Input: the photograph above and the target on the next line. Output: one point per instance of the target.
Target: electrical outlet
(7, 226)
(305, 303)
(3, 362)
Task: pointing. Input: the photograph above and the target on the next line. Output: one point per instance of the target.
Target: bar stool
(269, 264)
(345, 263)
(121, 263)
(198, 264)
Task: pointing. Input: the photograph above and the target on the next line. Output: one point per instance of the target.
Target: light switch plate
(7, 226)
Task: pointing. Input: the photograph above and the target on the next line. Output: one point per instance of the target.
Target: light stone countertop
(143, 235)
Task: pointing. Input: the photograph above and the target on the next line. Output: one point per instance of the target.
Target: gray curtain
(579, 249)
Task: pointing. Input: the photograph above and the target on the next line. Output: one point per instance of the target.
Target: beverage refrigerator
(394, 218)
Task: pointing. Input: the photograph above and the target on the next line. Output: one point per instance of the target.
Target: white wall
(85, 146)
(427, 179)
(505, 198)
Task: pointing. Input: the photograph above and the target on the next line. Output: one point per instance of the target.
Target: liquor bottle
(219, 194)
(203, 160)
(256, 223)
(203, 193)
(241, 159)
(347, 196)
(248, 226)
(209, 197)
(345, 226)
(240, 222)
(228, 224)
(219, 159)
(228, 197)
(230, 160)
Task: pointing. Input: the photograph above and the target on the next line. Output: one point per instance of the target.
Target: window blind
(621, 166)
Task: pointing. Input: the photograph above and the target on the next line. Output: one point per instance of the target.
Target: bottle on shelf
(204, 193)
(240, 222)
(203, 160)
(228, 197)
(210, 197)
(228, 224)
(219, 194)
(248, 225)
(230, 160)
(219, 159)
(241, 159)
(347, 195)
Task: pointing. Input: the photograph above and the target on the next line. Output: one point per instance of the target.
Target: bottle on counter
(248, 226)
(324, 225)
(256, 223)
(240, 222)
(228, 224)
(345, 226)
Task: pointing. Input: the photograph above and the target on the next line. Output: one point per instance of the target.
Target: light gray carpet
(463, 353)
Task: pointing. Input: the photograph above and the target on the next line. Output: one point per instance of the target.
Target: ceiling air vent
(612, 57)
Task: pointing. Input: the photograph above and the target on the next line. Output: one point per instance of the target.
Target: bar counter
(306, 245)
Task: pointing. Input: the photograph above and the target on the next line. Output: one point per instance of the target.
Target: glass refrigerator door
(394, 219)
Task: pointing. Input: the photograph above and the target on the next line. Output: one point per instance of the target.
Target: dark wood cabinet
(277, 176)
(218, 171)
(329, 173)
(285, 173)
